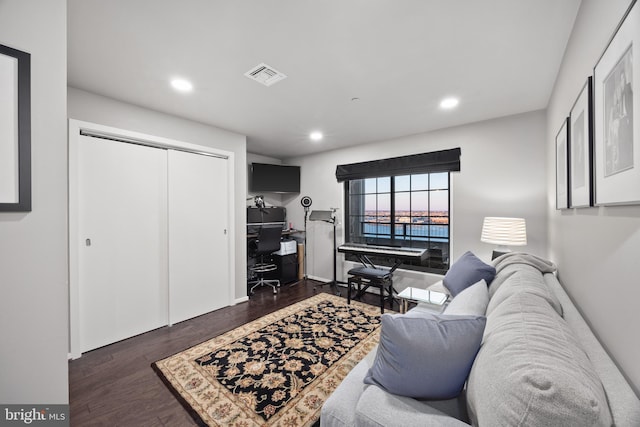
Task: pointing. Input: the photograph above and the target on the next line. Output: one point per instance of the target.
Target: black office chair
(268, 242)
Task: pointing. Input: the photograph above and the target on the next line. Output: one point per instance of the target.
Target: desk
(288, 267)
(284, 233)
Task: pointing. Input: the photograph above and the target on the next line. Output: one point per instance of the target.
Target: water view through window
(407, 211)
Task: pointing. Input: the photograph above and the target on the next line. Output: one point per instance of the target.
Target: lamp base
(500, 250)
(496, 254)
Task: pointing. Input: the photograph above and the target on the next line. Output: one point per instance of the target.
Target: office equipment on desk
(253, 233)
(259, 216)
(287, 247)
(267, 243)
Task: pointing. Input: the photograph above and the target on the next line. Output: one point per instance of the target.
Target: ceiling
(398, 57)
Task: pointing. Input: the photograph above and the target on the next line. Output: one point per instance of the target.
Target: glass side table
(437, 300)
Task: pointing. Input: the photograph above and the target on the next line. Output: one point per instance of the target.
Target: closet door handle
(87, 242)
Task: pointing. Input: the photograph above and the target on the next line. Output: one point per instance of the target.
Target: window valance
(435, 161)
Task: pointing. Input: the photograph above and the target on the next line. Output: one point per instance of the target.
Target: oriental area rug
(277, 370)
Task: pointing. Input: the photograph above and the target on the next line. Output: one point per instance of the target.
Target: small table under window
(433, 299)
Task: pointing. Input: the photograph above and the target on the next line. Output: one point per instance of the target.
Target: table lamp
(503, 232)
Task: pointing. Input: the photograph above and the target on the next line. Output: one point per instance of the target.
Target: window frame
(433, 264)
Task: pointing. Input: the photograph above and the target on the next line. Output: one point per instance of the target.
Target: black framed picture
(580, 149)
(616, 133)
(15, 130)
(562, 166)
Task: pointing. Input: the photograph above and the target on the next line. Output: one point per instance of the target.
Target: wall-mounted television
(274, 178)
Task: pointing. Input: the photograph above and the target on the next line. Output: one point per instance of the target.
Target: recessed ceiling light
(449, 103)
(315, 136)
(182, 85)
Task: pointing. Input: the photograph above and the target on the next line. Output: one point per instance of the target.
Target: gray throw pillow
(425, 356)
(472, 301)
(466, 271)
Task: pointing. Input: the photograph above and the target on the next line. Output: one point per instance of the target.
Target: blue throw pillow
(469, 269)
(426, 356)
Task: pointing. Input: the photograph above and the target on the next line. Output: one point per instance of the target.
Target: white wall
(503, 173)
(596, 248)
(33, 245)
(94, 108)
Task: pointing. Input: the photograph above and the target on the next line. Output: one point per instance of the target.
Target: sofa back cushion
(526, 281)
(532, 371)
(471, 301)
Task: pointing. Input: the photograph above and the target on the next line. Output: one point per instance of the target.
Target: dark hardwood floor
(116, 386)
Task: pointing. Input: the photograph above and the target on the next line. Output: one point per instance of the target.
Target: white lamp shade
(504, 231)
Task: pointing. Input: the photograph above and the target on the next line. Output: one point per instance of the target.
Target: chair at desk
(268, 242)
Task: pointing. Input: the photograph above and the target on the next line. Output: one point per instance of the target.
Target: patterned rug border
(248, 328)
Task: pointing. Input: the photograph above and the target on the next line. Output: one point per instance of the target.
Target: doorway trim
(78, 127)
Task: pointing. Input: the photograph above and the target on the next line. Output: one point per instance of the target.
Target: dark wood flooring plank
(116, 386)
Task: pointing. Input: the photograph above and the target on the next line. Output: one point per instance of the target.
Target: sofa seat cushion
(532, 371)
(425, 355)
(466, 271)
(377, 408)
(339, 408)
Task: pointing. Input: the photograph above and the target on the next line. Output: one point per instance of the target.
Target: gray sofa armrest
(624, 404)
(377, 408)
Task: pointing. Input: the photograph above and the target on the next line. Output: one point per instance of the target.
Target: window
(406, 210)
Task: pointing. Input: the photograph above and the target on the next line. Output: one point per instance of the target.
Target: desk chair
(268, 242)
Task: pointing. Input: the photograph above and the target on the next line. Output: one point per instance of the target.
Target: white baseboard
(239, 300)
(319, 279)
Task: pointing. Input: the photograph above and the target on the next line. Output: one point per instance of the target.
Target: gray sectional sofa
(539, 364)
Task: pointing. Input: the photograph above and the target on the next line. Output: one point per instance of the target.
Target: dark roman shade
(436, 161)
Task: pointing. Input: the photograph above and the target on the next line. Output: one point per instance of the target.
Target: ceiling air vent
(265, 74)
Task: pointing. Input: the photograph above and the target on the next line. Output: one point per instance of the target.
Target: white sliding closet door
(122, 223)
(198, 235)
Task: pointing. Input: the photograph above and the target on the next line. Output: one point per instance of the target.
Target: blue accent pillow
(469, 269)
(426, 356)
